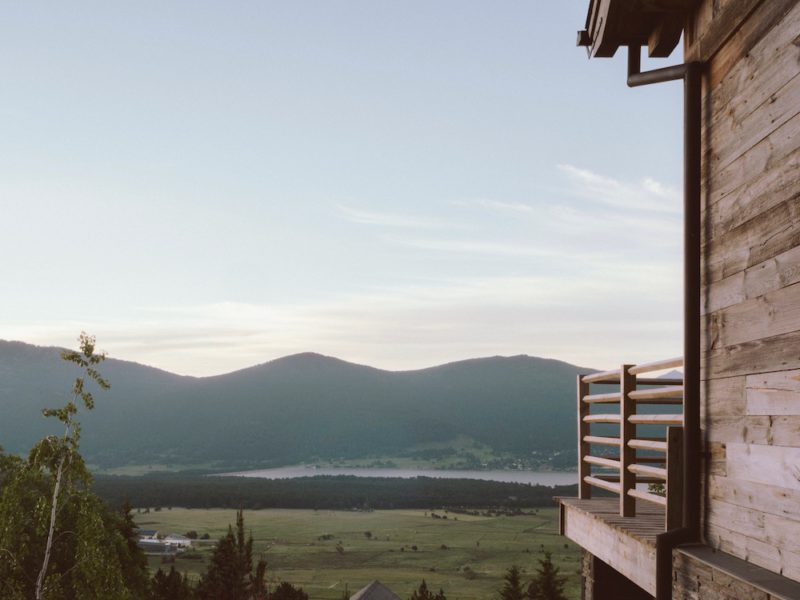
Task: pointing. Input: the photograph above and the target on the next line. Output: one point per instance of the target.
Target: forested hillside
(298, 408)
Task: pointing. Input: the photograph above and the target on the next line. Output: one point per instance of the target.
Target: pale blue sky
(209, 185)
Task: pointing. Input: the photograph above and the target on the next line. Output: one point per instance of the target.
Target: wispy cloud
(646, 194)
(384, 219)
(473, 247)
(497, 205)
(592, 278)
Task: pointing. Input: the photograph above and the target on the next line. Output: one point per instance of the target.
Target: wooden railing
(639, 459)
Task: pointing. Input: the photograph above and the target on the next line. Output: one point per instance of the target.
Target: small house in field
(375, 591)
(147, 534)
(177, 541)
(699, 478)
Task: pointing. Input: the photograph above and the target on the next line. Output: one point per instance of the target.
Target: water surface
(548, 478)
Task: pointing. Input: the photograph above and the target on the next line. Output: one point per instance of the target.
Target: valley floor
(327, 552)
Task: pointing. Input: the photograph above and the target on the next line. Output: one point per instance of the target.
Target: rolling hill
(298, 408)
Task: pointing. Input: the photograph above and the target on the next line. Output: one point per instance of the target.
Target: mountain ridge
(301, 407)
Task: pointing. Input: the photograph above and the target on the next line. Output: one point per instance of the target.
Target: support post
(627, 432)
(674, 512)
(584, 469)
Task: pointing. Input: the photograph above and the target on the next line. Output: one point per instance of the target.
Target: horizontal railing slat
(610, 398)
(649, 471)
(658, 381)
(604, 441)
(654, 498)
(605, 418)
(666, 392)
(648, 445)
(656, 419)
(608, 463)
(602, 377)
(659, 365)
(605, 485)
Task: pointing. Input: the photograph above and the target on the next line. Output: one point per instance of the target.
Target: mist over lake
(546, 478)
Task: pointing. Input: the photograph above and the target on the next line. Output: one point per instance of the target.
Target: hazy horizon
(303, 353)
(205, 186)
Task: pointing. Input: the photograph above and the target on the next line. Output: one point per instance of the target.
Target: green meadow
(330, 552)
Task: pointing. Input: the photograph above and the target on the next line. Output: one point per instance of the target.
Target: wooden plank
(648, 497)
(783, 430)
(752, 30)
(749, 549)
(767, 316)
(735, 518)
(584, 491)
(624, 552)
(769, 234)
(770, 465)
(648, 445)
(627, 505)
(674, 512)
(609, 486)
(730, 138)
(712, 24)
(656, 419)
(770, 499)
(659, 365)
(602, 462)
(766, 176)
(611, 398)
(648, 471)
(778, 353)
(661, 393)
(723, 397)
(739, 430)
(759, 74)
(765, 529)
(604, 441)
(716, 461)
(775, 393)
(605, 418)
(771, 275)
(602, 377)
(659, 381)
(758, 180)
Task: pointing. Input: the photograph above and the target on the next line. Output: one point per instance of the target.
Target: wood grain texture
(778, 353)
(772, 314)
(626, 544)
(771, 275)
(767, 235)
(774, 394)
(770, 465)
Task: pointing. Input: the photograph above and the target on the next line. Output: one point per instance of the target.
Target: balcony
(630, 448)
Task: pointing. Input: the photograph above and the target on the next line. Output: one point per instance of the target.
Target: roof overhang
(657, 24)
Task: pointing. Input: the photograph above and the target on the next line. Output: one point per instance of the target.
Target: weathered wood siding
(751, 277)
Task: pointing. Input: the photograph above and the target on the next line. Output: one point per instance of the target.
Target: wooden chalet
(722, 443)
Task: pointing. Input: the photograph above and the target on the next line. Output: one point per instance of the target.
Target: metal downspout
(690, 73)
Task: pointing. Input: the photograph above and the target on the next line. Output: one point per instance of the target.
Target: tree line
(322, 492)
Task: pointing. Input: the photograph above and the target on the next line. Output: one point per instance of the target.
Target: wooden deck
(627, 544)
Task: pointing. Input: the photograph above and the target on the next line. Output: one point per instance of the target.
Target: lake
(548, 478)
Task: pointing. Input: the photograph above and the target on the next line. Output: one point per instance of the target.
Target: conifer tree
(547, 584)
(230, 574)
(170, 586)
(512, 585)
(423, 593)
(286, 591)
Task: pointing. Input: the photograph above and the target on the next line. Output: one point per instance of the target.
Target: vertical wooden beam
(584, 469)
(627, 432)
(674, 513)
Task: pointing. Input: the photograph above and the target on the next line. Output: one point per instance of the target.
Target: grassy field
(465, 555)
